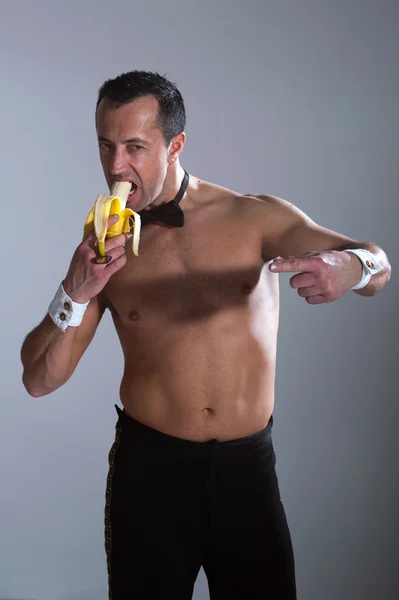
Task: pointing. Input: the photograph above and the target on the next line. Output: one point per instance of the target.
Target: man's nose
(118, 163)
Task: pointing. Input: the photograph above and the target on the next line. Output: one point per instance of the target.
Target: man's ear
(176, 147)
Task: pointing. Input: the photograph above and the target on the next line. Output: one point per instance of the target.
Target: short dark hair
(136, 84)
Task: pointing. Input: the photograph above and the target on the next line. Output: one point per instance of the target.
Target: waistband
(128, 423)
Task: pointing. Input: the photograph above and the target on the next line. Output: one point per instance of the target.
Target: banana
(115, 204)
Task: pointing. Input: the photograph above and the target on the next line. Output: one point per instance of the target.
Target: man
(192, 476)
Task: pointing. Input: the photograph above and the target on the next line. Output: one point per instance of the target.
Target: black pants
(174, 505)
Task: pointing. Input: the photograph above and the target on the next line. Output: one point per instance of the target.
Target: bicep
(310, 237)
(288, 231)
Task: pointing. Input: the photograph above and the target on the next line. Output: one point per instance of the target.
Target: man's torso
(197, 316)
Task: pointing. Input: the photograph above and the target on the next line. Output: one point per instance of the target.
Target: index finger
(290, 265)
(117, 240)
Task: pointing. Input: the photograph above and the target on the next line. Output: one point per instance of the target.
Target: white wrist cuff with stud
(64, 311)
(370, 266)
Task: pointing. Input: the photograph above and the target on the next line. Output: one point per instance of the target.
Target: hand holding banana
(115, 204)
(106, 229)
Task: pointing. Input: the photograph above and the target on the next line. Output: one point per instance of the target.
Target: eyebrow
(135, 140)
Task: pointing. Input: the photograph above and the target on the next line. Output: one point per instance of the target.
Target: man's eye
(104, 146)
(134, 148)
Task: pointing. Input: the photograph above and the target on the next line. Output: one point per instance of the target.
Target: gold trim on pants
(108, 494)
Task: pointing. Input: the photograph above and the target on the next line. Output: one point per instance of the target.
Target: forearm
(46, 356)
(379, 280)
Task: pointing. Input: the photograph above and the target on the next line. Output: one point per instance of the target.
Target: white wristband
(370, 266)
(64, 311)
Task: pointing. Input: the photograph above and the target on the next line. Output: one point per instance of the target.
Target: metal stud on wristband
(370, 266)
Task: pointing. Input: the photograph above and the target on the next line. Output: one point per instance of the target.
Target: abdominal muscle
(200, 380)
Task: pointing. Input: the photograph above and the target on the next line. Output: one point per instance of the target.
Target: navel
(208, 412)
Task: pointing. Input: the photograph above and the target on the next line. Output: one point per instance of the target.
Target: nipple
(134, 315)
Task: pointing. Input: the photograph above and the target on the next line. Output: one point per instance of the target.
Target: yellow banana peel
(114, 204)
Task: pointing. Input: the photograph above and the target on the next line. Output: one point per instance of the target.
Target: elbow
(35, 393)
(33, 389)
(389, 272)
(374, 287)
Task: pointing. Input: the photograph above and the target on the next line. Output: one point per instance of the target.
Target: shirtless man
(192, 470)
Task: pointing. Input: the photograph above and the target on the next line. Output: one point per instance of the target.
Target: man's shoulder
(274, 207)
(258, 207)
(207, 191)
(269, 201)
(260, 202)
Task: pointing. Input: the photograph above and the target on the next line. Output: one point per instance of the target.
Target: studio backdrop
(296, 99)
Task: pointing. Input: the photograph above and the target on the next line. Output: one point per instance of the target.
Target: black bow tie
(169, 213)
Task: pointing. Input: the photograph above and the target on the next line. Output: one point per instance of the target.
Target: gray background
(297, 99)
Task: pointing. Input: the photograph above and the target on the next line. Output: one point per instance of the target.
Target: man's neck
(172, 185)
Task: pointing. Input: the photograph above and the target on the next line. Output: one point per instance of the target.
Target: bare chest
(187, 273)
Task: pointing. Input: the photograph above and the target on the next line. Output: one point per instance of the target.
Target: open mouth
(133, 190)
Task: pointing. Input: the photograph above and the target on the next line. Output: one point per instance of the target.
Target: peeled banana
(115, 204)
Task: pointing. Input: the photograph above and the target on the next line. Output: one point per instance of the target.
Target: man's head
(140, 119)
